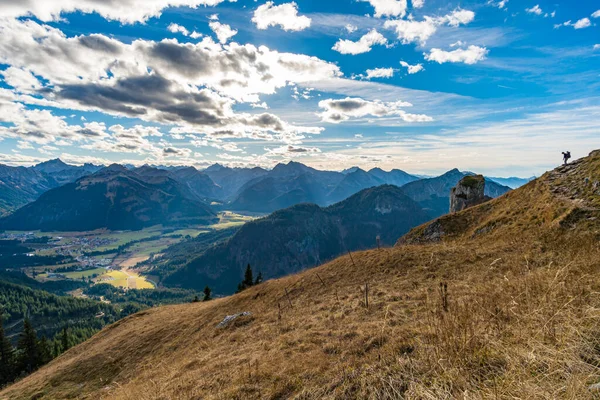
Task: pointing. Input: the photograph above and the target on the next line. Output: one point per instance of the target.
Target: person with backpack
(566, 157)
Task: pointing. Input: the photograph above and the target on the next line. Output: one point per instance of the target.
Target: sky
(499, 87)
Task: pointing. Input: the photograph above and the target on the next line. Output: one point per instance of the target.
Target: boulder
(469, 192)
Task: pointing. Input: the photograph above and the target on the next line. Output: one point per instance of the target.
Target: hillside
(504, 306)
(113, 198)
(302, 236)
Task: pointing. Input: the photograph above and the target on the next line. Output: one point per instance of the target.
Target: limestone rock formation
(469, 192)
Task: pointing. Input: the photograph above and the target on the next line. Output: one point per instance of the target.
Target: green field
(84, 274)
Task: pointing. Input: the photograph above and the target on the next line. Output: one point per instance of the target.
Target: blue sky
(497, 87)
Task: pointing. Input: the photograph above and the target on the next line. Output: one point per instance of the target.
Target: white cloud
(125, 11)
(195, 35)
(596, 14)
(21, 79)
(535, 10)
(175, 28)
(380, 73)
(470, 55)
(363, 45)
(418, 3)
(388, 8)
(336, 111)
(597, 47)
(582, 23)
(501, 4)
(351, 28)
(412, 69)
(284, 15)
(24, 145)
(412, 31)
(193, 86)
(458, 17)
(223, 31)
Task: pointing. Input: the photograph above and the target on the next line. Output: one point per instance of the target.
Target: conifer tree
(45, 351)
(207, 293)
(7, 358)
(248, 278)
(28, 349)
(259, 278)
(64, 340)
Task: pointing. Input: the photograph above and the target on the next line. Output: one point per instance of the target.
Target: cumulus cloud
(380, 73)
(223, 31)
(418, 3)
(535, 10)
(192, 87)
(176, 28)
(284, 15)
(597, 47)
(363, 45)
(412, 31)
(470, 55)
(389, 8)
(21, 79)
(336, 111)
(125, 11)
(580, 24)
(457, 18)
(412, 69)
(596, 14)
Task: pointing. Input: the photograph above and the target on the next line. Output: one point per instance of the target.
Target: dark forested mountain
(50, 313)
(113, 198)
(232, 179)
(433, 194)
(303, 236)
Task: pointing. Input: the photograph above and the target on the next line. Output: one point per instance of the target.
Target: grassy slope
(522, 319)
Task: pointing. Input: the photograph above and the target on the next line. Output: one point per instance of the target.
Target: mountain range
(115, 198)
(218, 187)
(303, 236)
(21, 185)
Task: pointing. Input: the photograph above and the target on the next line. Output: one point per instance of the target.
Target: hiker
(566, 156)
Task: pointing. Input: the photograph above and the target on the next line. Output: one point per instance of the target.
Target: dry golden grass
(507, 312)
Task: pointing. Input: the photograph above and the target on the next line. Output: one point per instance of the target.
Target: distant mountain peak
(214, 167)
(349, 170)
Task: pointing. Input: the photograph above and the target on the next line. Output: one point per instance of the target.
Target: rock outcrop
(469, 192)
